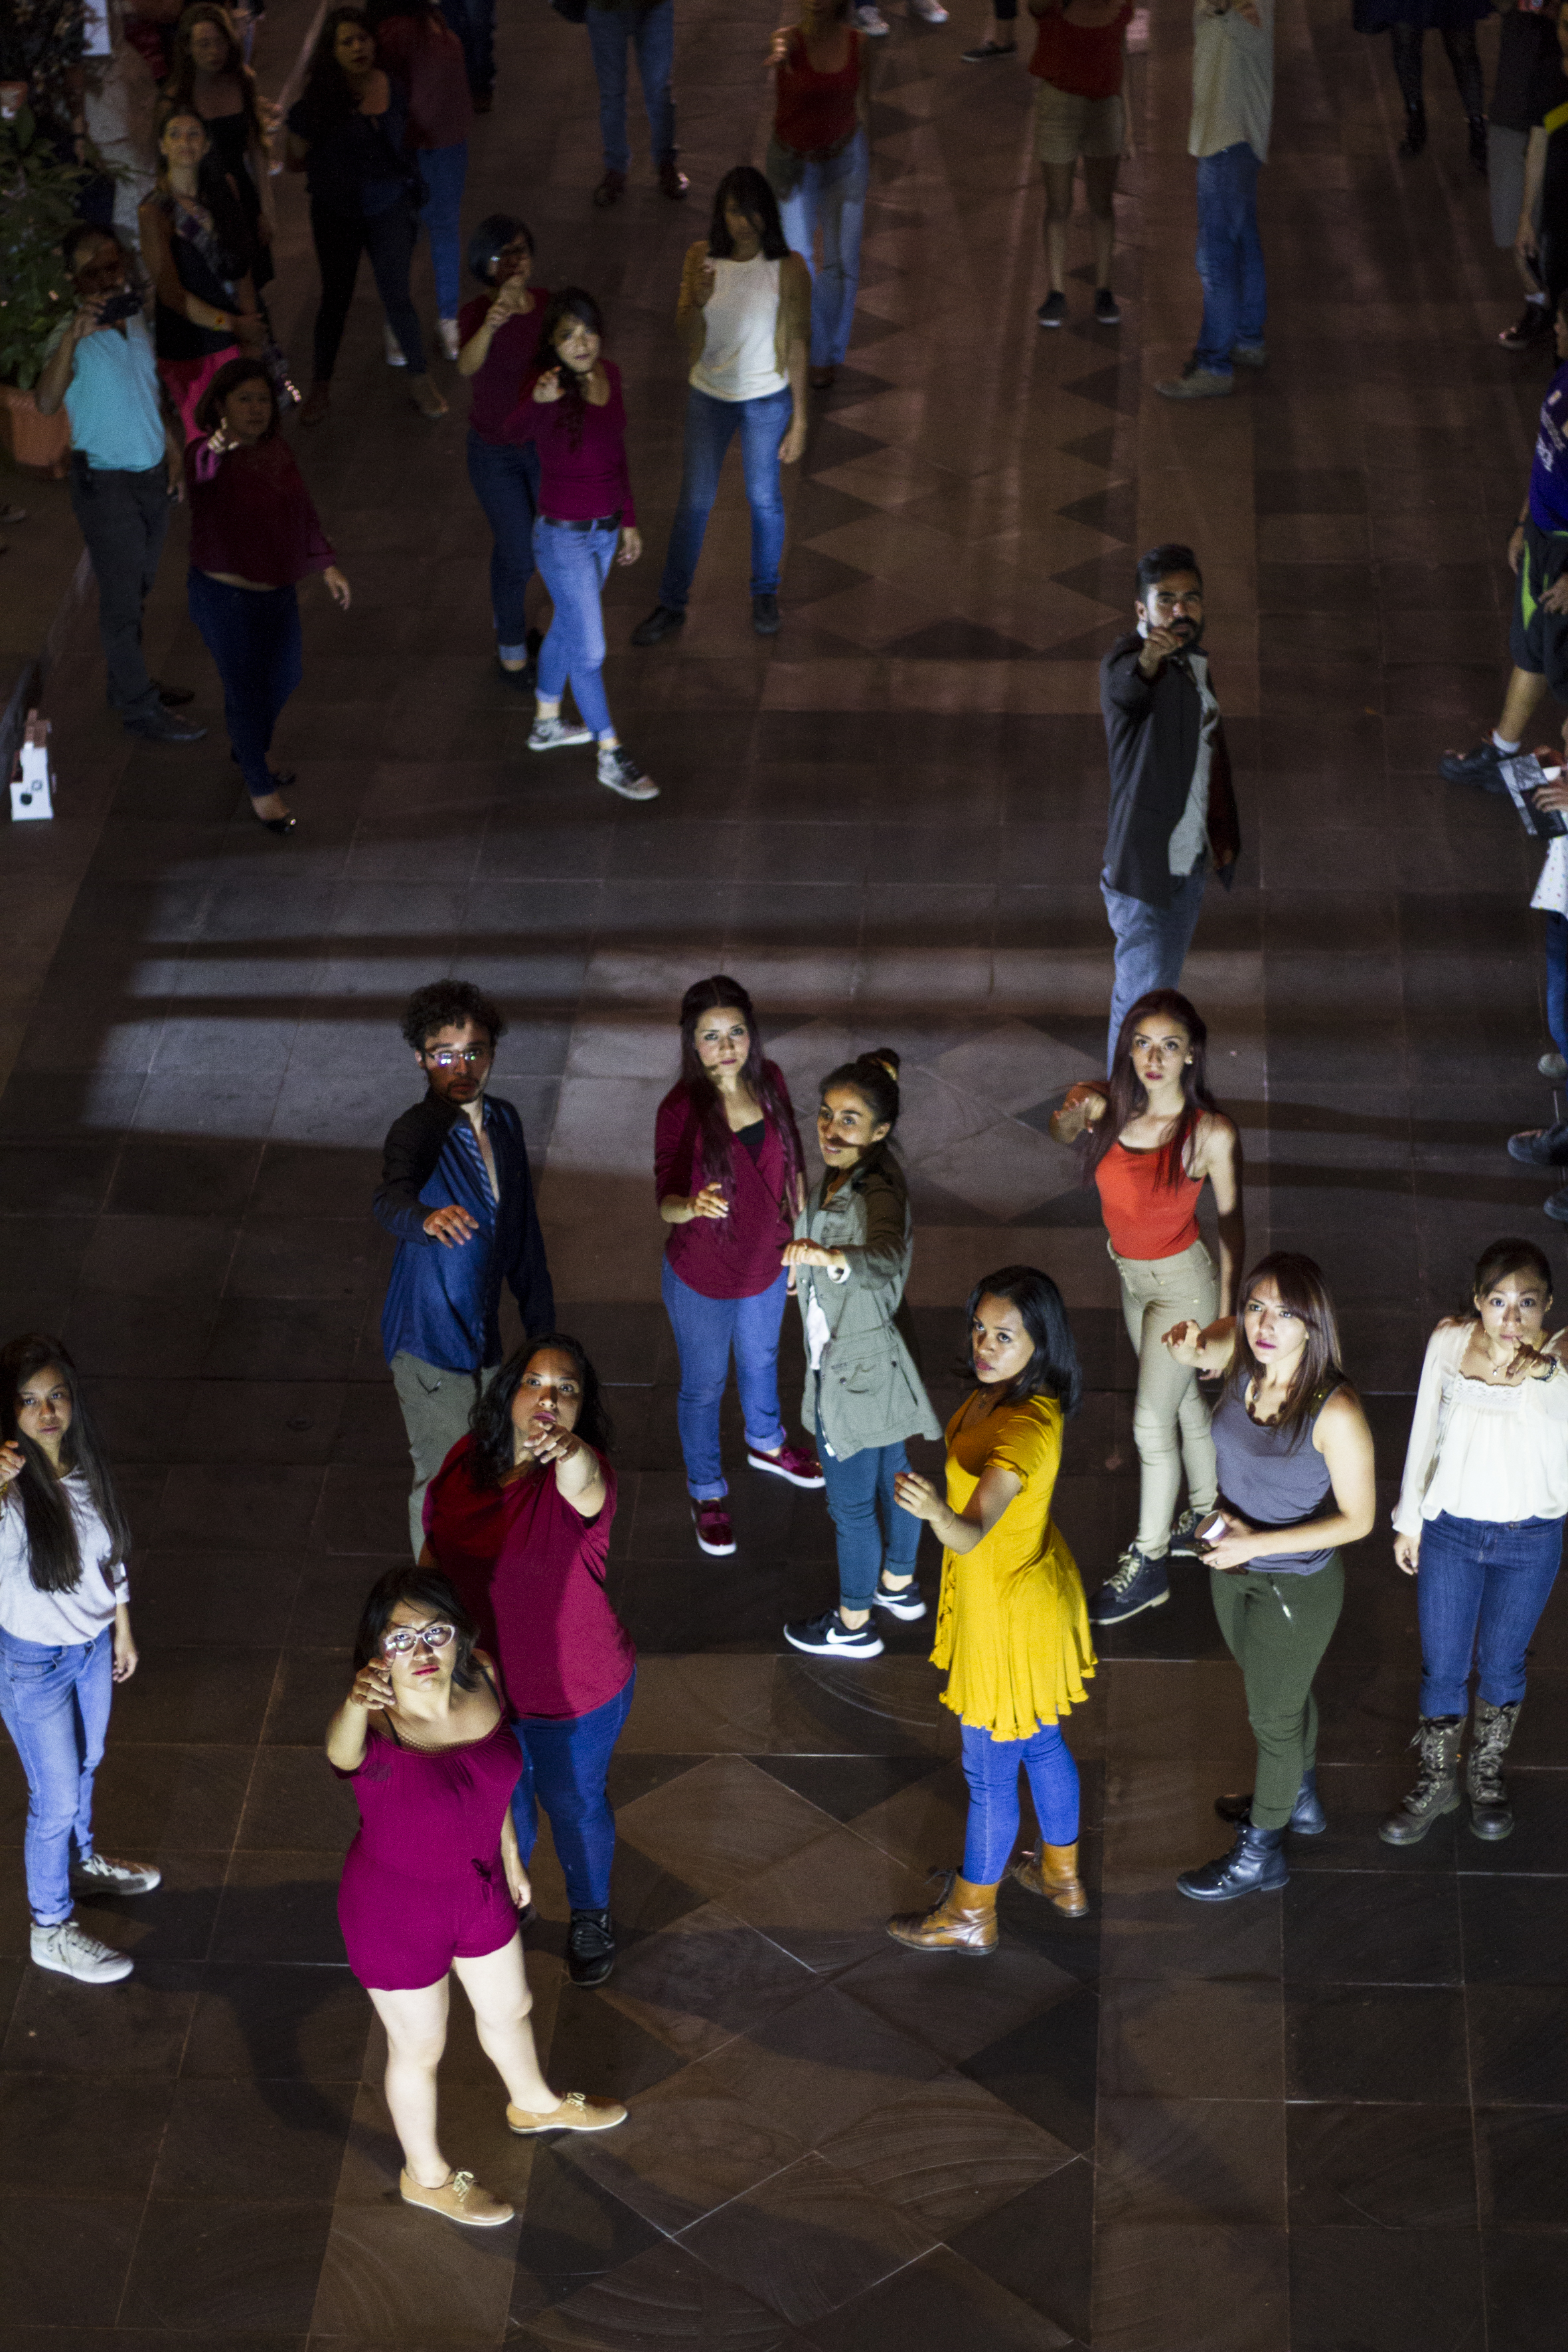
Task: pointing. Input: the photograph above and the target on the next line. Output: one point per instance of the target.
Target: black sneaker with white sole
(1482, 767)
(1136, 1584)
(828, 1637)
(905, 1604)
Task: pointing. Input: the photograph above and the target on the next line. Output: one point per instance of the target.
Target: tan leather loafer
(460, 2199)
(576, 2112)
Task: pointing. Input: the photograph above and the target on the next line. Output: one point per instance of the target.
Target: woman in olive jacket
(849, 1262)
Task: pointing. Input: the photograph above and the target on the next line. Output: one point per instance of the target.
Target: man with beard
(456, 1197)
(1173, 811)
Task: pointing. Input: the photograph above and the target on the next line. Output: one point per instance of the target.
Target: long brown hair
(1298, 1285)
(717, 1146)
(54, 1555)
(180, 88)
(1129, 1098)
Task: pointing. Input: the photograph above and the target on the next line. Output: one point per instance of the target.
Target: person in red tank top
(1079, 61)
(1152, 1136)
(819, 164)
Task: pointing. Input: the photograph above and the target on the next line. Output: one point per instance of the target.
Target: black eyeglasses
(449, 1058)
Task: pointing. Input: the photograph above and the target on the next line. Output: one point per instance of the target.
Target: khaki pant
(1169, 1419)
(437, 1408)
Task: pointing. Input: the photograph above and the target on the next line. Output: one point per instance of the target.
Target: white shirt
(1480, 1451)
(1233, 82)
(739, 340)
(1552, 890)
(58, 1619)
(1190, 840)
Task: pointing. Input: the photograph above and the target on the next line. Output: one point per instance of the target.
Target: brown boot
(963, 1921)
(1052, 1870)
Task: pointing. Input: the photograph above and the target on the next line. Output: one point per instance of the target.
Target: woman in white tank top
(744, 317)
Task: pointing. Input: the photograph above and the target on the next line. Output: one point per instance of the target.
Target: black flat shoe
(522, 681)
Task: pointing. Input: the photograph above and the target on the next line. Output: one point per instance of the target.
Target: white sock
(1539, 300)
(1504, 745)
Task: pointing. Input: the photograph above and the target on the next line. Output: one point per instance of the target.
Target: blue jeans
(1230, 256)
(443, 171)
(55, 1703)
(253, 637)
(651, 31)
(1152, 945)
(1557, 981)
(710, 426)
(564, 1761)
(474, 23)
(1481, 1587)
(705, 1331)
(574, 566)
(831, 194)
(505, 478)
(865, 1517)
(991, 1768)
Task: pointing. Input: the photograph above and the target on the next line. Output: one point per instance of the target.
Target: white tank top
(740, 350)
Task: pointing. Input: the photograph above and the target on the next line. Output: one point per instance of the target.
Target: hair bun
(885, 1057)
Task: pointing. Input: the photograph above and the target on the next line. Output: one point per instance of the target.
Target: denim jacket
(867, 1392)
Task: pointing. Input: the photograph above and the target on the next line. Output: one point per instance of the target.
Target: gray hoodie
(867, 1391)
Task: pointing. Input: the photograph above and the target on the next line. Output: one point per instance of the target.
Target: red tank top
(1144, 1217)
(1085, 60)
(816, 110)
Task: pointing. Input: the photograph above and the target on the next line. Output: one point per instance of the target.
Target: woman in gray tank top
(1296, 1481)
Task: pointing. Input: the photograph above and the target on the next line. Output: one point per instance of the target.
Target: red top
(737, 1256)
(427, 59)
(251, 514)
(1085, 60)
(509, 363)
(815, 110)
(1144, 1217)
(531, 1570)
(433, 1813)
(584, 483)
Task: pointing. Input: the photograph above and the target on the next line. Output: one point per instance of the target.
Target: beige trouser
(1169, 1419)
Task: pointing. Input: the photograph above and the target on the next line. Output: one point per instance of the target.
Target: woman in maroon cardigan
(255, 534)
(727, 1171)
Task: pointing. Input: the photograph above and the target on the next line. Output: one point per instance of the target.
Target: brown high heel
(963, 1921)
(1052, 1870)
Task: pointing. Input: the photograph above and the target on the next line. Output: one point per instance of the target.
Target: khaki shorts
(1066, 127)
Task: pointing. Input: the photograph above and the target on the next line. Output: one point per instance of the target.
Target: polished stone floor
(1334, 2121)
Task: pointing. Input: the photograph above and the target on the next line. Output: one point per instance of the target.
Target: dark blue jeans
(253, 637)
(442, 171)
(505, 477)
(866, 1521)
(1230, 256)
(474, 23)
(651, 31)
(991, 1768)
(1481, 1587)
(710, 426)
(1557, 981)
(564, 1763)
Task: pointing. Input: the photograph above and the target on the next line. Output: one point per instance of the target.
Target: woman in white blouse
(1479, 1524)
(65, 1642)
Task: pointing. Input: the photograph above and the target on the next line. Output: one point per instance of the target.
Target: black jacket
(1151, 730)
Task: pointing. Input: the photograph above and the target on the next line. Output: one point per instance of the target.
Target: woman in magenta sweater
(728, 1175)
(498, 337)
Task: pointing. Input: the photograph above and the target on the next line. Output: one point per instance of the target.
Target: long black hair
(1129, 1098)
(1053, 1370)
(181, 84)
(1502, 1258)
(54, 1556)
(874, 1077)
(571, 302)
(427, 1589)
(717, 1149)
(494, 1454)
(327, 99)
(1298, 1285)
(749, 191)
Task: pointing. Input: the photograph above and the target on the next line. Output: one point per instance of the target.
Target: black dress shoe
(1255, 1865)
(662, 622)
(160, 726)
(590, 1948)
(765, 616)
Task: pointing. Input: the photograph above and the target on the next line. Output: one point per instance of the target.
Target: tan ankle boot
(963, 1921)
(1052, 1870)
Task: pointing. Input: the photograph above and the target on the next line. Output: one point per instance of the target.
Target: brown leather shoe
(575, 2112)
(1052, 1870)
(460, 2199)
(963, 1921)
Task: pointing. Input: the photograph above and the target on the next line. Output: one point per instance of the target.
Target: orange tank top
(1145, 1218)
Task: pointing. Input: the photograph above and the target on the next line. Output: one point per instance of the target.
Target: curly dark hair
(229, 377)
(446, 1004)
(491, 1422)
(427, 1589)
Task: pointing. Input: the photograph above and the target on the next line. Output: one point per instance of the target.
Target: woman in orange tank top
(1152, 1136)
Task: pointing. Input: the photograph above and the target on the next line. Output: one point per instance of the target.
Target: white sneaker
(556, 734)
(931, 12)
(394, 354)
(871, 21)
(97, 1874)
(620, 771)
(70, 1951)
(451, 343)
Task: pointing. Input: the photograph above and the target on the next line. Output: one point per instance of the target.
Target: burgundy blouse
(737, 1256)
(252, 515)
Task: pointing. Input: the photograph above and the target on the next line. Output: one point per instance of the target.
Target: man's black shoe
(160, 726)
(662, 622)
(765, 616)
(174, 698)
(1480, 768)
(590, 1948)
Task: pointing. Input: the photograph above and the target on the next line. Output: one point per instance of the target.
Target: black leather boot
(1308, 1817)
(1492, 1815)
(1436, 1789)
(1414, 138)
(1255, 1865)
(590, 1948)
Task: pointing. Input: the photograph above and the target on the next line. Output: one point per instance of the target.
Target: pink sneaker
(795, 1463)
(714, 1533)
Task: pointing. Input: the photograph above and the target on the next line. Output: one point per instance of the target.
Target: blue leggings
(564, 1761)
(991, 1768)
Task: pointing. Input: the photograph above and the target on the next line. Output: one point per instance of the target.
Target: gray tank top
(1275, 1478)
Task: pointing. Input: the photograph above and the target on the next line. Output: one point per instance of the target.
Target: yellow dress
(1011, 1623)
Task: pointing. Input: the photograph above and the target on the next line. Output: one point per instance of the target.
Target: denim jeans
(1152, 945)
(564, 1761)
(574, 566)
(705, 1331)
(1557, 981)
(868, 1522)
(253, 637)
(651, 31)
(832, 196)
(474, 23)
(710, 426)
(505, 478)
(1230, 256)
(443, 171)
(1479, 1590)
(55, 1704)
(991, 1768)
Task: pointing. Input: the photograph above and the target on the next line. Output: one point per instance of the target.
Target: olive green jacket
(868, 1391)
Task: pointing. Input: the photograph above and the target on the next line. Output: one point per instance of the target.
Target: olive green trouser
(1277, 1637)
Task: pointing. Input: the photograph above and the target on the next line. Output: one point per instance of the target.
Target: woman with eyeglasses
(519, 1518)
(433, 1882)
(498, 342)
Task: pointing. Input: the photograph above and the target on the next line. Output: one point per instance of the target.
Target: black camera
(122, 305)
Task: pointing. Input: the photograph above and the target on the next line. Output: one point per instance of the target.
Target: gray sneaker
(70, 1951)
(620, 771)
(1541, 1146)
(1197, 383)
(1253, 355)
(556, 734)
(97, 1874)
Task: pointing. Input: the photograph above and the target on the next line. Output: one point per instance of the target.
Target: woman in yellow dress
(1012, 1626)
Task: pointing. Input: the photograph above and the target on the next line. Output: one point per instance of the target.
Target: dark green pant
(1277, 1639)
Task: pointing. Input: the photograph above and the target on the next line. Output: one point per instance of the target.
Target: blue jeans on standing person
(710, 426)
(1557, 981)
(253, 637)
(1152, 945)
(564, 1761)
(442, 171)
(574, 566)
(505, 478)
(1230, 256)
(991, 1768)
(705, 1331)
(868, 1522)
(651, 31)
(54, 1702)
(1481, 1587)
(830, 195)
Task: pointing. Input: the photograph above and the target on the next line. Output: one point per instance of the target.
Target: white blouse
(58, 1619)
(1480, 1451)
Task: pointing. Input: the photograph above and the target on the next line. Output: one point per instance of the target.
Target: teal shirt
(112, 401)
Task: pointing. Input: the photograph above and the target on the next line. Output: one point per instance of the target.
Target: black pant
(124, 519)
(388, 238)
(1460, 41)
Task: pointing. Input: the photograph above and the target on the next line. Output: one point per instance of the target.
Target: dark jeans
(865, 1519)
(1230, 256)
(991, 1768)
(1557, 981)
(564, 1763)
(253, 637)
(1459, 42)
(1481, 1587)
(474, 23)
(339, 239)
(124, 519)
(505, 477)
(651, 31)
(1277, 1628)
